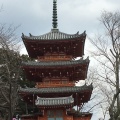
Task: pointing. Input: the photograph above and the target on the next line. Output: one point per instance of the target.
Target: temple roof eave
(60, 101)
(57, 63)
(54, 34)
(76, 89)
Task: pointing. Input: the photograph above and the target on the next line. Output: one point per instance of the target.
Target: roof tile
(54, 34)
(55, 63)
(56, 90)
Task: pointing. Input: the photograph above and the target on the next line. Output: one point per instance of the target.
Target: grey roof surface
(54, 34)
(54, 101)
(57, 89)
(55, 63)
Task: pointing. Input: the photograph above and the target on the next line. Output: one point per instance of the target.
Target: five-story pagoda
(55, 72)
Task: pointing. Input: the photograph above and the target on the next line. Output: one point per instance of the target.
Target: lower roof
(57, 89)
(54, 101)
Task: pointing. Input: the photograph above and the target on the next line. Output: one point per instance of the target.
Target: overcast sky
(35, 16)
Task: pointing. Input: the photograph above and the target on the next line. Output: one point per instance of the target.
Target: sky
(35, 17)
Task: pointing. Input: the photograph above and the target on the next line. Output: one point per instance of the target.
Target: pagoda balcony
(55, 102)
(55, 58)
(57, 84)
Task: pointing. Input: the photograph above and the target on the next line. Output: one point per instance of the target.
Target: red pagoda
(55, 72)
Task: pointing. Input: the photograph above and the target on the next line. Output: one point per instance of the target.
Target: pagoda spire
(54, 20)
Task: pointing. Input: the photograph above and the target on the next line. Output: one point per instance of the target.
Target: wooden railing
(43, 85)
(54, 58)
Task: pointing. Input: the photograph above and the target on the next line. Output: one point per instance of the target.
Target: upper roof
(69, 44)
(54, 34)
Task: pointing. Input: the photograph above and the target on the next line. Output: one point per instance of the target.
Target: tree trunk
(117, 81)
(10, 104)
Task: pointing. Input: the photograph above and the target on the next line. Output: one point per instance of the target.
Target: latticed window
(55, 115)
(50, 115)
(59, 115)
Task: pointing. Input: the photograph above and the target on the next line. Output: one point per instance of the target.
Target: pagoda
(55, 71)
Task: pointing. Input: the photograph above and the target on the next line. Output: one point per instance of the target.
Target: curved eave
(53, 35)
(35, 45)
(56, 106)
(34, 71)
(76, 89)
(55, 63)
(55, 102)
(80, 94)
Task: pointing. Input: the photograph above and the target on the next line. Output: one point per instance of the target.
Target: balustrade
(54, 84)
(54, 58)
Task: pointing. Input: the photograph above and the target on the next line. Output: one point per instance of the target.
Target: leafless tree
(107, 54)
(9, 70)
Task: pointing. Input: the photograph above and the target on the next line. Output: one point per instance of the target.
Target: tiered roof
(40, 45)
(52, 102)
(54, 35)
(55, 63)
(83, 94)
(65, 47)
(56, 90)
(35, 70)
